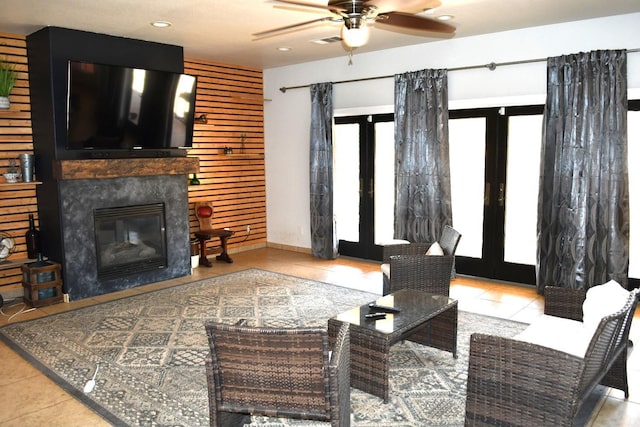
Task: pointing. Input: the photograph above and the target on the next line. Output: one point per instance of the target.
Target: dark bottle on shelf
(32, 238)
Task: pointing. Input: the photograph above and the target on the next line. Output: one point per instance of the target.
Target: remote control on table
(375, 307)
(375, 316)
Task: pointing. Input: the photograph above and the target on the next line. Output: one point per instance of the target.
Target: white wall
(287, 115)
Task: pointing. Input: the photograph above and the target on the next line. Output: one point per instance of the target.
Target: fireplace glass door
(130, 239)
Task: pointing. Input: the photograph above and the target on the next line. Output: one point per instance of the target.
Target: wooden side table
(42, 283)
(204, 235)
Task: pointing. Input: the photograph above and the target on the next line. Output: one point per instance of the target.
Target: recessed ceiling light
(283, 49)
(445, 17)
(161, 24)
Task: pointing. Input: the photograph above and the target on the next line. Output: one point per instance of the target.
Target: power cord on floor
(22, 309)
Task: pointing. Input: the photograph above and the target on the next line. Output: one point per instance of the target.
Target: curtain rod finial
(283, 89)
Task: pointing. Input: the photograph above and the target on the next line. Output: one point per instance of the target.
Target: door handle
(487, 193)
(501, 194)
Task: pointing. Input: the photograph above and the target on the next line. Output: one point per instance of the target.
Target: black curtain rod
(490, 66)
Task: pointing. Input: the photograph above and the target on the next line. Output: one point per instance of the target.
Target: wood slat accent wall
(232, 100)
(17, 201)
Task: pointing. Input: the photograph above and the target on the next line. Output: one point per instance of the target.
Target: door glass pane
(384, 199)
(633, 152)
(467, 159)
(346, 181)
(523, 172)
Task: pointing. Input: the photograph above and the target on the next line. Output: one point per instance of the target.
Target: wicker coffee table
(425, 318)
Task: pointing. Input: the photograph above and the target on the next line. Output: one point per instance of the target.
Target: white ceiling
(220, 30)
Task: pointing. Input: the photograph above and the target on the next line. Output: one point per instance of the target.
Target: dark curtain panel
(423, 182)
(583, 206)
(323, 239)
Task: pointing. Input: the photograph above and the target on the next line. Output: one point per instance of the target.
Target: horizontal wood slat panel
(232, 100)
(17, 201)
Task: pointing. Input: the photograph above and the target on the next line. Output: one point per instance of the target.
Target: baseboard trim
(289, 248)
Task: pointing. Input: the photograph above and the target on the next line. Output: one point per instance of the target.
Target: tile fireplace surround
(79, 197)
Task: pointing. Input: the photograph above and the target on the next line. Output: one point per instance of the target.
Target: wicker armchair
(412, 269)
(253, 370)
(517, 383)
(422, 272)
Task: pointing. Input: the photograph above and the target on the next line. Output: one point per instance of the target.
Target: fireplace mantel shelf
(118, 168)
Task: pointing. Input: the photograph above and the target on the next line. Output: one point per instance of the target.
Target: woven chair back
(277, 372)
(449, 240)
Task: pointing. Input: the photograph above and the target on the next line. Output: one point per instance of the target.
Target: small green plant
(8, 77)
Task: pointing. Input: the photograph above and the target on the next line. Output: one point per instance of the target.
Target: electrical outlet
(248, 229)
(65, 297)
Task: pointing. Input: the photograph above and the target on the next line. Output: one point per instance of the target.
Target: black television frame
(149, 130)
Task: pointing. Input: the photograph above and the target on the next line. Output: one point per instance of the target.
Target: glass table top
(413, 305)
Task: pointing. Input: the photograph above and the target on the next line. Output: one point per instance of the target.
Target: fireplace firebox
(130, 239)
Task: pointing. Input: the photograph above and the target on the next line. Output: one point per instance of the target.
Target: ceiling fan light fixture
(355, 37)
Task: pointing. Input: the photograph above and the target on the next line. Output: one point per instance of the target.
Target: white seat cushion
(395, 242)
(386, 269)
(558, 333)
(435, 249)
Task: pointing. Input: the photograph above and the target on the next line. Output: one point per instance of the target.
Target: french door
(363, 183)
(495, 168)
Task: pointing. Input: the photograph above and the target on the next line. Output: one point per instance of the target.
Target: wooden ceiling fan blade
(279, 30)
(413, 22)
(410, 6)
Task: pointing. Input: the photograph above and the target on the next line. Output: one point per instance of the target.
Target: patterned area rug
(151, 349)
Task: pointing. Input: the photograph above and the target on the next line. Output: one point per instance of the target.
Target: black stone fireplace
(87, 270)
(130, 239)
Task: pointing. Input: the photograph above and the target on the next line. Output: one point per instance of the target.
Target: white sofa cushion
(561, 334)
(601, 301)
(435, 249)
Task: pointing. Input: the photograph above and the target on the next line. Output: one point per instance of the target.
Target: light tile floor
(29, 398)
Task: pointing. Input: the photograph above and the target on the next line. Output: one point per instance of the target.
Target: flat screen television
(116, 111)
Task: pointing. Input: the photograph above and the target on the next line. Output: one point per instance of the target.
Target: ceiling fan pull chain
(350, 56)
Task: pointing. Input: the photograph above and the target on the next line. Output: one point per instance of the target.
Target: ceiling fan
(358, 15)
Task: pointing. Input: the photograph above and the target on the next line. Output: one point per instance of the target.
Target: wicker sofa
(518, 383)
